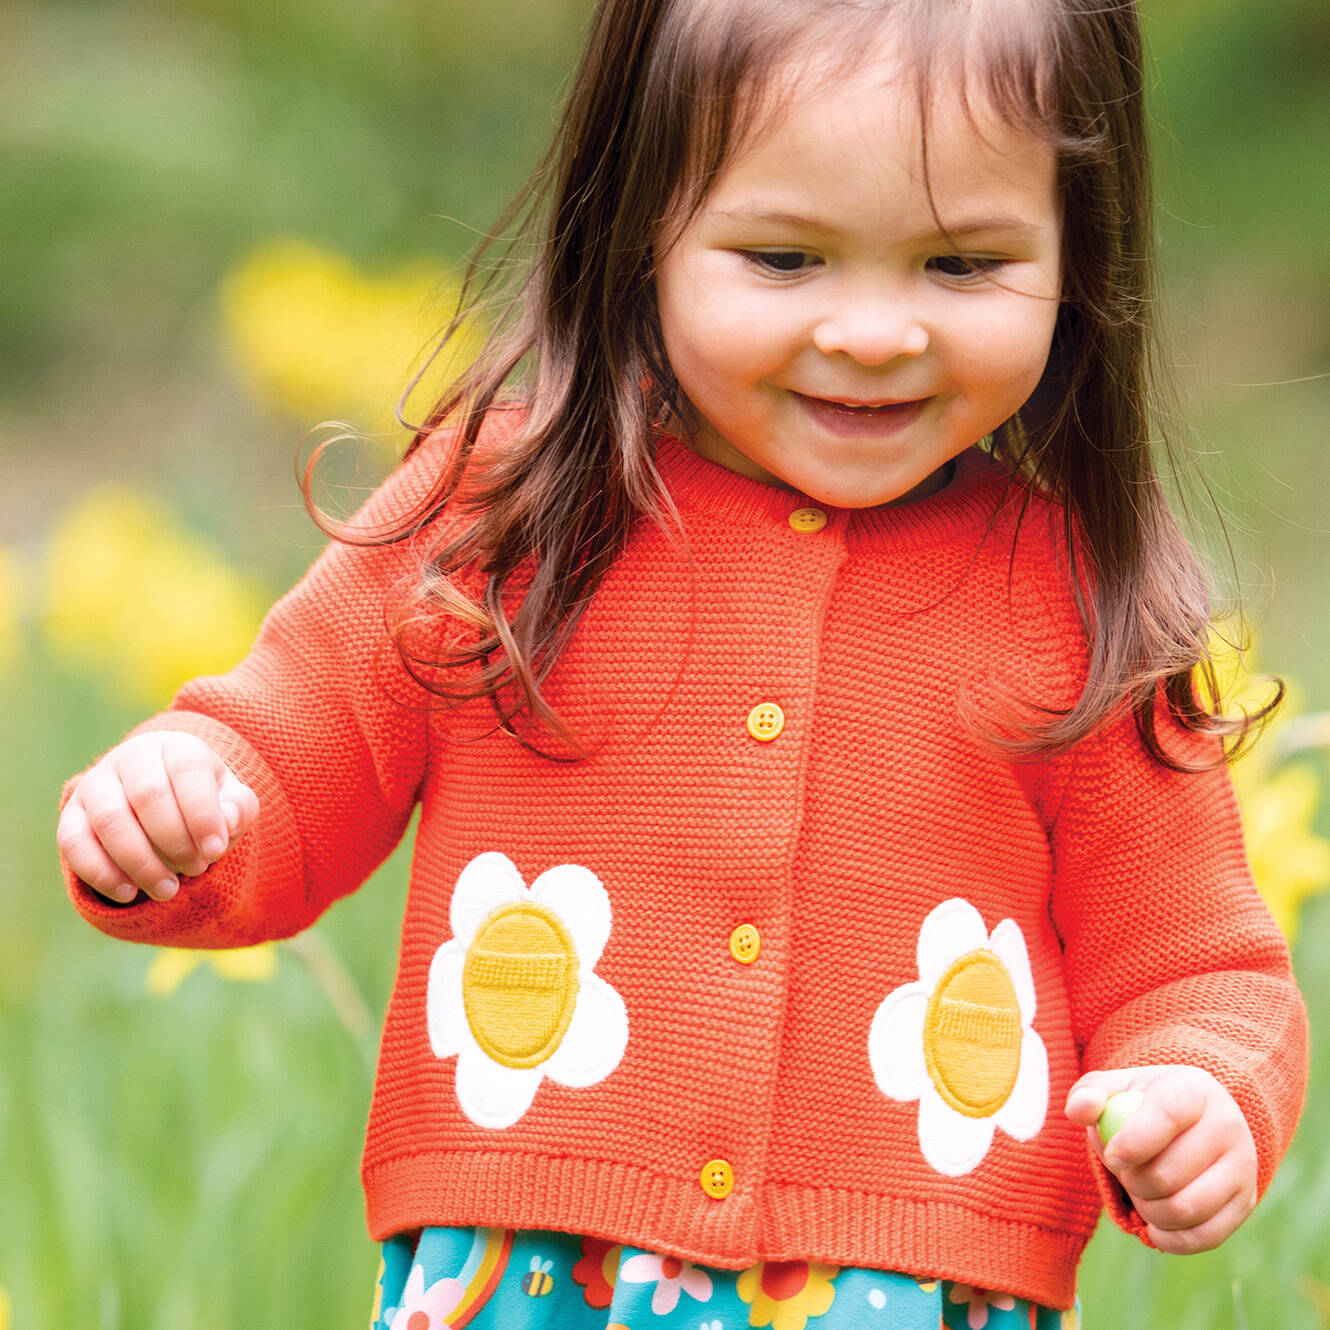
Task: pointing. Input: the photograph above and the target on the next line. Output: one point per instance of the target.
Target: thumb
(1086, 1099)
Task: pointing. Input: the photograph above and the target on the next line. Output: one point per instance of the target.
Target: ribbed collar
(963, 509)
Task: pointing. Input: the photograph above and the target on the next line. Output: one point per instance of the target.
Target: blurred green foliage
(191, 1160)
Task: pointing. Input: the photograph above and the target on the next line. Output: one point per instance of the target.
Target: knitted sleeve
(1170, 955)
(321, 720)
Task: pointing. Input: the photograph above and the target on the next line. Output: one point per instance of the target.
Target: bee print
(538, 1281)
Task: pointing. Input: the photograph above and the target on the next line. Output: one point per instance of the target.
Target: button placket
(775, 771)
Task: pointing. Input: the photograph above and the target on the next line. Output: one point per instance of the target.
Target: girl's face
(828, 334)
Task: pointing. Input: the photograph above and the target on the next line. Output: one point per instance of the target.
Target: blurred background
(223, 221)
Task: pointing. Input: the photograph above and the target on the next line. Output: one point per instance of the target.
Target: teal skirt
(530, 1279)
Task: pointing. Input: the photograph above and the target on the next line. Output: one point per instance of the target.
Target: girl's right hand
(158, 805)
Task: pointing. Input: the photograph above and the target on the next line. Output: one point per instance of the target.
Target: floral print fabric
(528, 1279)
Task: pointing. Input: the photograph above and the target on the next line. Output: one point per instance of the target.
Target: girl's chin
(851, 488)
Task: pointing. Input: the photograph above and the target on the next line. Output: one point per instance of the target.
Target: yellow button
(765, 721)
(808, 519)
(717, 1178)
(745, 944)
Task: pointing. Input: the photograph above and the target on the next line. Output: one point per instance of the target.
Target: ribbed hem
(939, 1239)
(675, 1217)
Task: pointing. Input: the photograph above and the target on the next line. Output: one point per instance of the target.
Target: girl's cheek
(1010, 342)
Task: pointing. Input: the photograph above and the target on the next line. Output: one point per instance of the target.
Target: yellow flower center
(972, 1035)
(519, 984)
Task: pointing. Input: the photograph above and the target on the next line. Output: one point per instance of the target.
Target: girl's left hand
(1186, 1156)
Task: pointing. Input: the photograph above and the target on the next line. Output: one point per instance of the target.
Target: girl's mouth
(862, 418)
(861, 407)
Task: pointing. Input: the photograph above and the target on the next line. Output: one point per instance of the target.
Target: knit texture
(947, 938)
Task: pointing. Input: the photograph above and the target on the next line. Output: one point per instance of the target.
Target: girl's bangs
(719, 61)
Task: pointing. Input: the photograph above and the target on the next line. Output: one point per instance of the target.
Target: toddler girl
(785, 638)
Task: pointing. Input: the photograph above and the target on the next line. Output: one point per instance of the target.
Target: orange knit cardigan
(794, 966)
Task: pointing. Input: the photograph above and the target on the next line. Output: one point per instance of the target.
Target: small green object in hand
(1116, 1112)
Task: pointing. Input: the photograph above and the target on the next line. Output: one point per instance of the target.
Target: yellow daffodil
(1317, 1293)
(172, 966)
(11, 601)
(1279, 799)
(133, 595)
(318, 339)
(6, 1308)
(1237, 689)
(1288, 859)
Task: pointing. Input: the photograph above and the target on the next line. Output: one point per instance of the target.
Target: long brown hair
(665, 91)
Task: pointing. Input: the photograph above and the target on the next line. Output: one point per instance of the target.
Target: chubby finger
(150, 792)
(240, 805)
(1192, 1207)
(196, 774)
(118, 833)
(1180, 1163)
(84, 854)
(1205, 1235)
(1171, 1105)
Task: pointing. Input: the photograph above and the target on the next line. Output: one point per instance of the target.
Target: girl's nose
(872, 334)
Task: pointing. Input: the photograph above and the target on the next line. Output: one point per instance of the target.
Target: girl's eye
(963, 265)
(786, 262)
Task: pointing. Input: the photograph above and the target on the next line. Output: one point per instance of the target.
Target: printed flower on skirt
(784, 1294)
(670, 1275)
(426, 1308)
(598, 1270)
(980, 1300)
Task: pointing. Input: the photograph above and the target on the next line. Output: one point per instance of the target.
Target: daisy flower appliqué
(513, 994)
(961, 1041)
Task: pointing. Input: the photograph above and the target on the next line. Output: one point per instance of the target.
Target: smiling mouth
(862, 408)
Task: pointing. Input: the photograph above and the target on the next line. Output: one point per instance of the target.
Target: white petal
(415, 1284)
(952, 929)
(412, 1296)
(488, 881)
(596, 1037)
(445, 1014)
(442, 1297)
(696, 1283)
(1022, 1116)
(644, 1268)
(665, 1298)
(576, 895)
(952, 1143)
(492, 1095)
(896, 1043)
(1009, 943)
